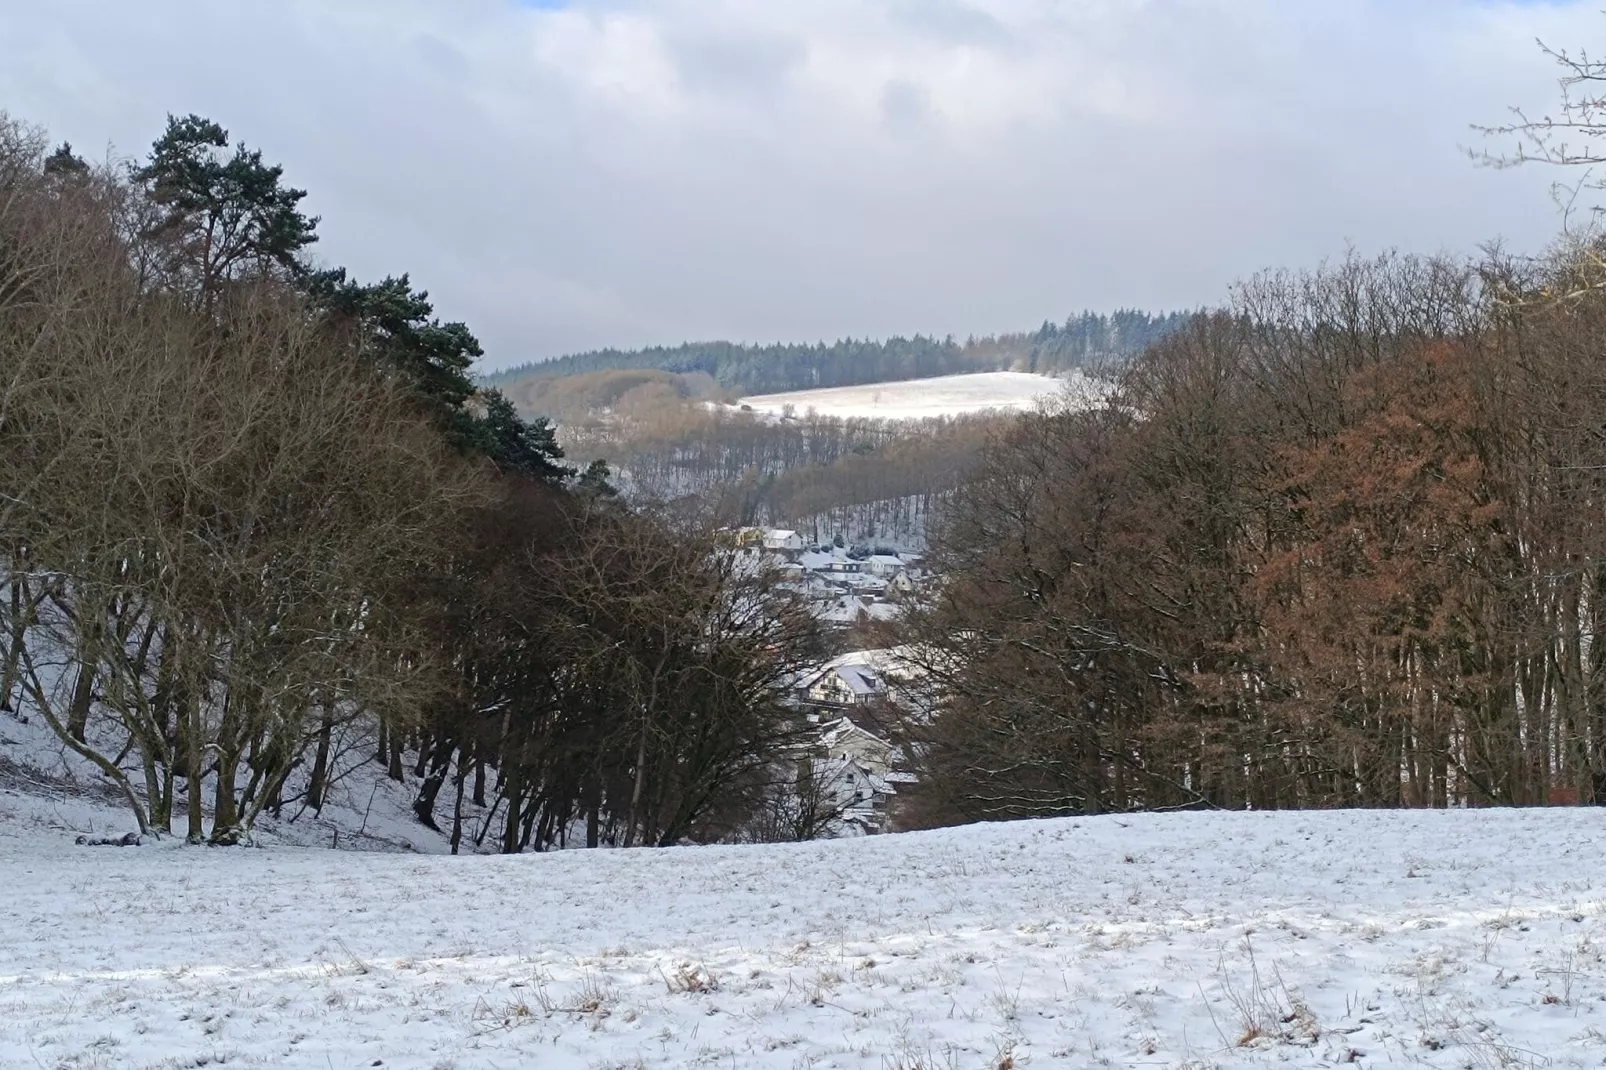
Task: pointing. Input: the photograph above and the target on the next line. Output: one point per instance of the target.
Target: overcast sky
(573, 175)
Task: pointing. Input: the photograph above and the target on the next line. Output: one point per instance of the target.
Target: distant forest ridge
(1082, 341)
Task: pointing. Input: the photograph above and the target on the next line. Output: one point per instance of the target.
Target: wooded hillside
(259, 528)
(1339, 543)
(1086, 340)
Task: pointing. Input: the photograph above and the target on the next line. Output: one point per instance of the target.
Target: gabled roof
(860, 679)
(844, 766)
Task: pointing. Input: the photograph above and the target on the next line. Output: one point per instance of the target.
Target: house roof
(834, 733)
(881, 661)
(861, 679)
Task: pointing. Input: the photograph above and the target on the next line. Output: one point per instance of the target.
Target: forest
(872, 475)
(257, 519)
(1336, 543)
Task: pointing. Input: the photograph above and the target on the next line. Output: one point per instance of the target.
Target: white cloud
(620, 173)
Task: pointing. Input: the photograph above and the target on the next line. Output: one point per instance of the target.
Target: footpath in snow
(1463, 939)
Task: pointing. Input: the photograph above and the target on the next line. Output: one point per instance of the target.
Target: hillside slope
(915, 399)
(1183, 940)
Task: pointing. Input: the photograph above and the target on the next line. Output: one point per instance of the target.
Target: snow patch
(946, 395)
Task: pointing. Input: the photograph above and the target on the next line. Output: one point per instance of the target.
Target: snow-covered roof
(861, 679)
(834, 733)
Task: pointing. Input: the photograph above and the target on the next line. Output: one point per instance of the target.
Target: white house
(856, 795)
(858, 775)
(783, 540)
(884, 565)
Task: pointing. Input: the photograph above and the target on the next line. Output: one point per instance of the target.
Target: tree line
(1337, 543)
(258, 523)
(1088, 340)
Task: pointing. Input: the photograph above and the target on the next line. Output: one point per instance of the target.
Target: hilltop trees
(213, 216)
(1083, 341)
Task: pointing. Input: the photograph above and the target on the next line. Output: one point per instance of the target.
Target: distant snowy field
(913, 399)
(1463, 939)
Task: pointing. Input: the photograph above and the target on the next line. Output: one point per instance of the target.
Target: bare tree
(207, 515)
(1569, 137)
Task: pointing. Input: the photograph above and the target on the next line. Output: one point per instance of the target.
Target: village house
(844, 685)
(782, 540)
(859, 774)
(884, 565)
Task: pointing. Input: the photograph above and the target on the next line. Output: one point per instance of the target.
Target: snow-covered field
(1464, 939)
(911, 399)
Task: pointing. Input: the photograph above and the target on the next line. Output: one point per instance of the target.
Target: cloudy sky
(566, 175)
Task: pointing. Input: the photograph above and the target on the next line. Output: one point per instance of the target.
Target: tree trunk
(78, 709)
(225, 812)
(11, 672)
(429, 789)
(510, 828)
(593, 805)
(457, 805)
(194, 760)
(318, 781)
(395, 772)
(637, 787)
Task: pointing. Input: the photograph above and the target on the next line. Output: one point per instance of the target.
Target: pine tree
(595, 481)
(528, 447)
(224, 215)
(64, 163)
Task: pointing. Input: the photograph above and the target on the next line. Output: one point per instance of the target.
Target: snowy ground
(1467, 939)
(948, 395)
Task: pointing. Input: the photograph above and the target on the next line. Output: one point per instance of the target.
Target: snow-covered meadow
(1462, 939)
(913, 399)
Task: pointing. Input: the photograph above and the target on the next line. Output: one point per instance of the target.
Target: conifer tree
(222, 215)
